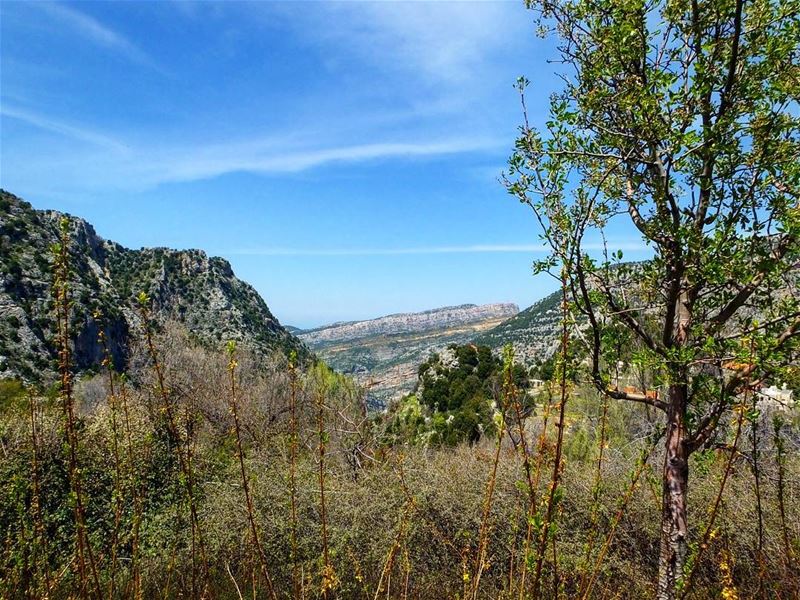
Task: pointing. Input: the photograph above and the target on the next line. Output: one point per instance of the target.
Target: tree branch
(723, 316)
(708, 424)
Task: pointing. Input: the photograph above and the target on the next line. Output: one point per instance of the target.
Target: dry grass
(399, 522)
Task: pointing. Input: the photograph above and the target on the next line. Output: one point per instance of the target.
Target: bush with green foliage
(457, 398)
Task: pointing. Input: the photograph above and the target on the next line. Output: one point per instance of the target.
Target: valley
(384, 354)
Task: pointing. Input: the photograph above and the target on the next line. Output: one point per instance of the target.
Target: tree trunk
(673, 509)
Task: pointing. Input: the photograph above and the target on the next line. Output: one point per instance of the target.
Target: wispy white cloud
(185, 164)
(93, 30)
(55, 126)
(141, 164)
(631, 246)
(426, 97)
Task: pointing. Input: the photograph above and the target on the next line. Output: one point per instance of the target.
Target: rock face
(384, 353)
(187, 286)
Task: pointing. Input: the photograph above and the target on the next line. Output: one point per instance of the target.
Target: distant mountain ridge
(385, 353)
(408, 322)
(186, 286)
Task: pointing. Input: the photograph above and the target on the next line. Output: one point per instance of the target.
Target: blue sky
(343, 156)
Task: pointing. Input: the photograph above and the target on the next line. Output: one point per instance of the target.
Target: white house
(776, 397)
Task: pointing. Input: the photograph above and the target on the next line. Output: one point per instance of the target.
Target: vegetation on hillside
(408, 519)
(186, 471)
(201, 474)
(457, 398)
(185, 285)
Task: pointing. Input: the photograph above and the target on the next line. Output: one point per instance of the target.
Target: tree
(678, 119)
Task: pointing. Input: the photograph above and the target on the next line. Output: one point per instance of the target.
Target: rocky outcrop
(186, 286)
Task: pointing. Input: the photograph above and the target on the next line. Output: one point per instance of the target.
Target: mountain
(384, 353)
(534, 332)
(186, 286)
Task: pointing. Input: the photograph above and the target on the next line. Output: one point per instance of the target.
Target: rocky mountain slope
(534, 332)
(384, 353)
(186, 286)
